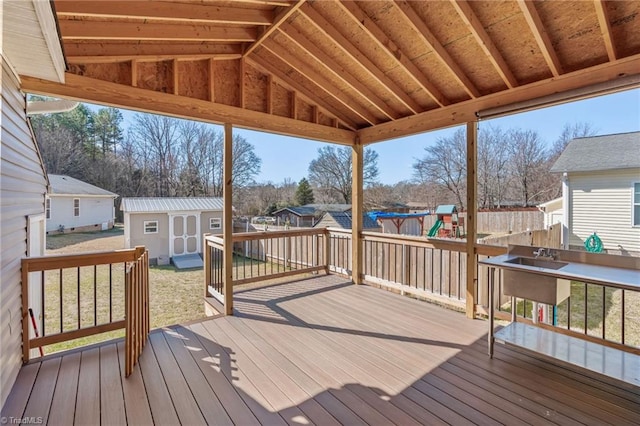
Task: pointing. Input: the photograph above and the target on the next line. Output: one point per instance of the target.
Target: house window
(47, 207)
(150, 226)
(636, 204)
(215, 223)
(76, 207)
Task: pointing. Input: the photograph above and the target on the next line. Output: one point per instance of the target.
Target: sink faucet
(544, 253)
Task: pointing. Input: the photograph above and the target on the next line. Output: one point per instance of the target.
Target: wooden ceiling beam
(393, 51)
(319, 80)
(91, 30)
(284, 14)
(288, 83)
(440, 52)
(117, 51)
(477, 30)
(605, 28)
(350, 50)
(117, 95)
(466, 111)
(338, 71)
(279, 3)
(534, 21)
(165, 11)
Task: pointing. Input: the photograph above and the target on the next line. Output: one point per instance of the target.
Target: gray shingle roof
(316, 209)
(66, 185)
(619, 151)
(158, 204)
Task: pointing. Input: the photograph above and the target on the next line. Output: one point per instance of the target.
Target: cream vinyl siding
(602, 202)
(157, 243)
(22, 193)
(205, 222)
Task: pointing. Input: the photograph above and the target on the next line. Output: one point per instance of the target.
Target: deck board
(320, 351)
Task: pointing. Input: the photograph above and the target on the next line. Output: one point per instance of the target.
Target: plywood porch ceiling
(340, 71)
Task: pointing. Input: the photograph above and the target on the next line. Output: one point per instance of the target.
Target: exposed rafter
(90, 30)
(279, 20)
(465, 11)
(605, 28)
(349, 49)
(287, 82)
(320, 81)
(164, 11)
(540, 33)
(117, 51)
(118, 95)
(430, 39)
(332, 67)
(393, 51)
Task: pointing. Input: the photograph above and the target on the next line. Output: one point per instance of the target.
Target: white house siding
(157, 244)
(602, 202)
(94, 211)
(22, 192)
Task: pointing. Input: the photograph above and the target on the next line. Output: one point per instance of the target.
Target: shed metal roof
(343, 220)
(66, 185)
(608, 152)
(170, 204)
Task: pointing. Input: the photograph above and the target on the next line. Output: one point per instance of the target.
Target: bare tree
(332, 170)
(492, 167)
(527, 161)
(445, 163)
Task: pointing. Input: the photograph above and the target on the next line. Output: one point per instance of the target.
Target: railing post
(327, 250)
(472, 215)
(207, 264)
(227, 221)
(25, 310)
(357, 152)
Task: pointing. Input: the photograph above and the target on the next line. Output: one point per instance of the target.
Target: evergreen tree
(304, 193)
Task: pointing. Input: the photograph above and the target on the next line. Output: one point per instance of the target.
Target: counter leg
(491, 309)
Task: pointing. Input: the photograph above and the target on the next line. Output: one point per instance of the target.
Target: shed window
(47, 207)
(150, 226)
(636, 204)
(215, 223)
(76, 207)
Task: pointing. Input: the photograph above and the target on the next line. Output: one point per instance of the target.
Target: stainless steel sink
(534, 285)
(538, 263)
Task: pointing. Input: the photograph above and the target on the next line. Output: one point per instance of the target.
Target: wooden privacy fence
(82, 295)
(549, 237)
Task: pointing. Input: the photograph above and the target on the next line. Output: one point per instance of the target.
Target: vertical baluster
(95, 294)
(622, 319)
(569, 313)
(111, 292)
(78, 282)
(42, 294)
(61, 304)
(586, 298)
(604, 310)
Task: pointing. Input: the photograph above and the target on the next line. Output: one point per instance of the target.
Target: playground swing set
(449, 224)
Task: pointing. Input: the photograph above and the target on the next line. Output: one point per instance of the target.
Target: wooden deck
(319, 351)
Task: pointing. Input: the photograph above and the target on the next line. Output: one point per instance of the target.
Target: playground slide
(434, 229)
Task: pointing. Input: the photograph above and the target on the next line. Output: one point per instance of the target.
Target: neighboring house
(601, 191)
(27, 49)
(74, 205)
(343, 220)
(307, 215)
(170, 227)
(418, 207)
(553, 212)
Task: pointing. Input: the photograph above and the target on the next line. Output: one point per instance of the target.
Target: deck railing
(82, 295)
(259, 256)
(428, 268)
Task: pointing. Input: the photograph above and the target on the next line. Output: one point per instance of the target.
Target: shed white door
(184, 234)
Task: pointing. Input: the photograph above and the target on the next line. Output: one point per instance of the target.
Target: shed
(74, 205)
(601, 191)
(170, 227)
(552, 211)
(343, 220)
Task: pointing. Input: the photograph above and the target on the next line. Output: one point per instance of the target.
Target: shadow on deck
(319, 351)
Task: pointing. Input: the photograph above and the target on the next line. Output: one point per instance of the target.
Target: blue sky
(286, 157)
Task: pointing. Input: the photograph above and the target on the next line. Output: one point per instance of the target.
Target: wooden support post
(227, 221)
(472, 214)
(357, 153)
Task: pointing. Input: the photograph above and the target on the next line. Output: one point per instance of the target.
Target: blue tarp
(387, 215)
